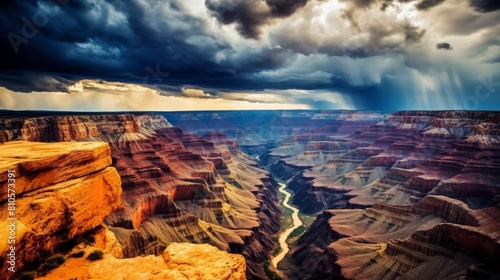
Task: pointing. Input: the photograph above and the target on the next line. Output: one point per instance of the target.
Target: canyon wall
(175, 187)
(413, 196)
(258, 132)
(409, 195)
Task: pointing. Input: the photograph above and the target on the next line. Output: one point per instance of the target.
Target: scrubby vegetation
(277, 249)
(51, 263)
(78, 254)
(30, 275)
(270, 273)
(298, 231)
(95, 255)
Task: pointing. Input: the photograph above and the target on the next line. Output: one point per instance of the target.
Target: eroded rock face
(259, 132)
(176, 187)
(179, 261)
(37, 165)
(62, 191)
(420, 190)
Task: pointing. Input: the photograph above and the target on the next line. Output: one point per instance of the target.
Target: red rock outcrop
(62, 190)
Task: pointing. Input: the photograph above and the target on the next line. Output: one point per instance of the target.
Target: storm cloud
(321, 54)
(485, 5)
(250, 15)
(444, 46)
(427, 4)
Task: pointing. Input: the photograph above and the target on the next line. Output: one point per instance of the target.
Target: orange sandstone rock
(179, 261)
(38, 165)
(55, 208)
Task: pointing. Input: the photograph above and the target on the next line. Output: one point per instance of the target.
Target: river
(296, 223)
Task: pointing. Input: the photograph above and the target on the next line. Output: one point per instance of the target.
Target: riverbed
(296, 223)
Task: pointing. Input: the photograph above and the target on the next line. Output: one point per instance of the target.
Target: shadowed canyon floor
(407, 195)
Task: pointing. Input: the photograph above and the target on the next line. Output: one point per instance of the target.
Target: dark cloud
(427, 4)
(485, 5)
(136, 42)
(385, 4)
(250, 15)
(363, 3)
(412, 33)
(479, 5)
(444, 46)
(28, 82)
(357, 51)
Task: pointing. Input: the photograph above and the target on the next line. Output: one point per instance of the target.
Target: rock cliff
(179, 261)
(176, 187)
(259, 132)
(62, 190)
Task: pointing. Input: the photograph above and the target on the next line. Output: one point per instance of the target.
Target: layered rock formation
(179, 261)
(176, 187)
(62, 190)
(409, 195)
(421, 191)
(259, 131)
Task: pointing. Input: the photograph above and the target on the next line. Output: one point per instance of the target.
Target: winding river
(296, 223)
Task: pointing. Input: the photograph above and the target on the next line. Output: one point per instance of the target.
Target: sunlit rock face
(176, 187)
(62, 191)
(178, 261)
(415, 195)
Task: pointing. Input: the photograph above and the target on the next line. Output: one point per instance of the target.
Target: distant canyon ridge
(405, 195)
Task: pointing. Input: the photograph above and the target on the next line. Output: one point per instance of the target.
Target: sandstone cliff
(179, 261)
(176, 187)
(62, 191)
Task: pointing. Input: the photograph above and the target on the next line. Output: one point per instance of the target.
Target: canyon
(174, 187)
(404, 195)
(410, 195)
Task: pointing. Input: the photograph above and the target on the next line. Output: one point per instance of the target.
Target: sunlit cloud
(91, 95)
(193, 92)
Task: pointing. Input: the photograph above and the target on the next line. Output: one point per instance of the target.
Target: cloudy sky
(250, 54)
